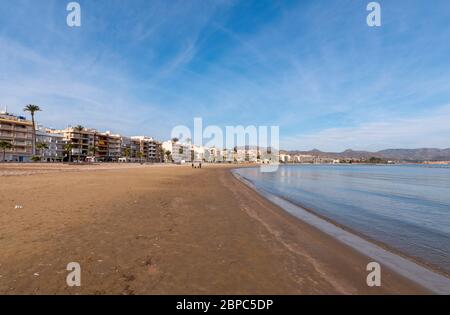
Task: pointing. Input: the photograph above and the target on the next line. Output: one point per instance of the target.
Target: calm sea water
(406, 207)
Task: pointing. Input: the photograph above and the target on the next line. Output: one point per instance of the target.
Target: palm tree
(168, 154)
(5, 145)
(93, 149)
(161, 154)
(139, 155)
(68, 148)
(41, 147)
(126, 153)
(32, 109)
(79, 129)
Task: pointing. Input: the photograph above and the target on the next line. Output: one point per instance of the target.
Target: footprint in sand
(151, 267)
(128, 278)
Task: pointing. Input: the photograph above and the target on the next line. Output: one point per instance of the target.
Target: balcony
(21, 143)
(6, 127)
(23, 151)
(22, 136)
(78, 144)
(22, 128)
(78, 137)
(6, 135)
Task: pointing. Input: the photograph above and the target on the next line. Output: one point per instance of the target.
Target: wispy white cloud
(315, 69)
(424, 131)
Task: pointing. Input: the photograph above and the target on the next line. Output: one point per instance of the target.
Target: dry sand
(164, 230)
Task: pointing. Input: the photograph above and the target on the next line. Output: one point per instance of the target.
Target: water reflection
(406, 207)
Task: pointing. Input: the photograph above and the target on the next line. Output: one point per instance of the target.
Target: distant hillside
(416, 154)
(413, 155)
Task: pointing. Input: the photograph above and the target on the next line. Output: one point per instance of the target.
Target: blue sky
(314, 68)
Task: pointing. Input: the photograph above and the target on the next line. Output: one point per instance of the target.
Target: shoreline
(417, 260)
(423, 274)
(168, 230)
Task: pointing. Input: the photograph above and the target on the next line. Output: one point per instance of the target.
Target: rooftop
(13, 118)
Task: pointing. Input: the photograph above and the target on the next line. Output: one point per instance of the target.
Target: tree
(5, 145)
(68, 148)
(169, 155)
(93, 149)
(175, 140)
(375, 160)
(161, 154)
(32, 109)
(35, 158)
(79, 129)
(139, 155)
(41, 147)
(126, 153)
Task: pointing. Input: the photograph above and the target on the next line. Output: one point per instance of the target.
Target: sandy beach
(143, 229)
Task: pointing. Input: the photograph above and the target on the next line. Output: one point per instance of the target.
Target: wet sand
(166, 230)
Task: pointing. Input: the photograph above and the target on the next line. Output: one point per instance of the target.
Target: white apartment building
(252, 155)
(248, 154)
(241, 155)
(55, 145)
(285, 158)
(303, 158)
(198, 153)
(227, 155)
(167, 146)
(179, 151)
(212, 155)
(269, 156)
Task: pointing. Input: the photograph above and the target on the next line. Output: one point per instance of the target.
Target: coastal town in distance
(83, 144)
(224, 155)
